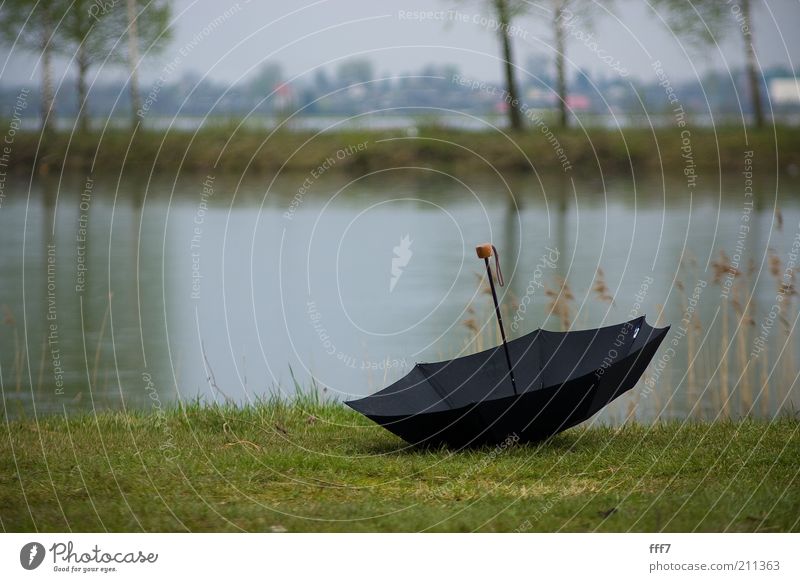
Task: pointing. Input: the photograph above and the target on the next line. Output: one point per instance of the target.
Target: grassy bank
(228, 149)
(321, 468)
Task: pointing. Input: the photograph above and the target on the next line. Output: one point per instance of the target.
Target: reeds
(601, 289)
(561, 302)
(720, 377)
(10, 321)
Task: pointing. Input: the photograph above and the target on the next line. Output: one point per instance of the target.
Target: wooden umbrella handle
(485, 251)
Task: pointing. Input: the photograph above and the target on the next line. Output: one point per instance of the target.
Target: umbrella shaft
(500, 322)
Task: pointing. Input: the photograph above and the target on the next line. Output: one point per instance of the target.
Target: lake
(140, 292)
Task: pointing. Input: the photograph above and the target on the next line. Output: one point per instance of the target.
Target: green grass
(594, 152)
(320, 467)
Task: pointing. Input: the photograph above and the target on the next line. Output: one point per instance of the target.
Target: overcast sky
(228, 40)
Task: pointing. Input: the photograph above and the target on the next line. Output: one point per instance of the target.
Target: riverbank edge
(233, 149)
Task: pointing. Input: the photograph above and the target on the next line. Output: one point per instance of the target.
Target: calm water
(133, 293)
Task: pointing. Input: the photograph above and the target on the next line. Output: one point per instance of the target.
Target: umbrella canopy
(561, 379)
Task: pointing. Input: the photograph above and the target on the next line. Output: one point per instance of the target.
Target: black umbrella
(532, 387)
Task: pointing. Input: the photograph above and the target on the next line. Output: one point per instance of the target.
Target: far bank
(236, 149)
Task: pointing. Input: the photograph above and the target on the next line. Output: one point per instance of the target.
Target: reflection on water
(129, 293)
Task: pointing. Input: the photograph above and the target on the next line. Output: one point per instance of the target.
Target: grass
(312, 466)
(594, 151)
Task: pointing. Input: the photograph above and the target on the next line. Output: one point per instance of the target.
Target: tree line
(123, 32)
(89, 33)
(698, 23)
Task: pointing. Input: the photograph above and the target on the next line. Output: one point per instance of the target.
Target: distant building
(785, 91)
(578, 102)
(284, 96)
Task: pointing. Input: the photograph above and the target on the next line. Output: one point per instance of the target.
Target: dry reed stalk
(764, 395)
(633, 403)
(744, 323)
(691, 382)
(19, 356)
(386, 370)
(561, 302)
(601, 288)
(723, 368)
(694, 330)
(41, 364)
(789, 367)
(665, 381)
(100, 343)
(702, 359)
(786, 288)
(723, 267)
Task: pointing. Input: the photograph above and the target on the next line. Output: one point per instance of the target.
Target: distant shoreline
(576, 152)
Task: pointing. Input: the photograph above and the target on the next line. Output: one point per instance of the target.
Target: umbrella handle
(485, 251)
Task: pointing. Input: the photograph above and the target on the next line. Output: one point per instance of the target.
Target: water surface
(138, 292)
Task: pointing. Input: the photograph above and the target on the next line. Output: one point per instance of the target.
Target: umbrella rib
(437, 387)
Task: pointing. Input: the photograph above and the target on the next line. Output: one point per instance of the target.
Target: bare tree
(562, 12)
(90, 36)
(565, 14)
(133, 58)
(34, 28)
(146, 23)
(746, 28)
(706, 22)
(505, 11)
(561, 79)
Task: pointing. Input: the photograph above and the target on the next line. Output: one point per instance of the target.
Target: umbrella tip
(484, 250)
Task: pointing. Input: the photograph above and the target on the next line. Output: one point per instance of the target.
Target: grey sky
(227, 40)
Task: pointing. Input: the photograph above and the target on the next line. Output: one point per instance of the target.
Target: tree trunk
(133, 61)
(504, 17)
(561, 81)
(752, 65)
(83, 105)
(48, 93)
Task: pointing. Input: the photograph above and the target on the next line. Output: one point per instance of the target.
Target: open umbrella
(531, 387)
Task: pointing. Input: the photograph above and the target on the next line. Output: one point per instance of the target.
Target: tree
(505, 11)
(322, 83)
(705, 22)
(561, 79)
(146, 24)
(567, 14)
(354, 71)
(90, 35)
(33, 28)
(746, 28)
(268, 77)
